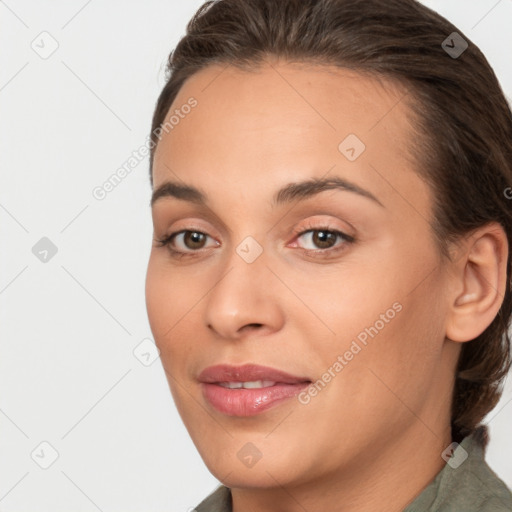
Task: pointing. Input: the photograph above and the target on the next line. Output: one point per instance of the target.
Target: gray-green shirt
(465, 484)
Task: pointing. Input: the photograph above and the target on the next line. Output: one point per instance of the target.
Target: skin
(376, 432)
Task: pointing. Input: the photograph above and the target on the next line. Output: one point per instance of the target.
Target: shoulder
(465, 484)
(485, 490)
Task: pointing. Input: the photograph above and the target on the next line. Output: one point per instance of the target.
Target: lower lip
(249, 402)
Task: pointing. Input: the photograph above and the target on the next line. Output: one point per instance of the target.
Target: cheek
(164, 302)
(382, 320)
(156, 299)
(398, 357)
(173, 309)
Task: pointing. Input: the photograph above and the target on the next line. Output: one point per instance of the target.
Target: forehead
(283, 121)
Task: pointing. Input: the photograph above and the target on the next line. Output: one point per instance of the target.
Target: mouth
(249, 389)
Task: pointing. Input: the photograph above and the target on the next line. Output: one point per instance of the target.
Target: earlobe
(480, 281)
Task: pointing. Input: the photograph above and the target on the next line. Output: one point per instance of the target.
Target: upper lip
(247, 373)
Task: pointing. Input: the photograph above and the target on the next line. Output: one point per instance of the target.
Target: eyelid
(319, 225)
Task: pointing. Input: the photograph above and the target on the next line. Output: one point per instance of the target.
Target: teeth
(253, 384)
(258, 384)
(231, 385)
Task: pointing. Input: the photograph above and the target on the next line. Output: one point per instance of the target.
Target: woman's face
(339, 286)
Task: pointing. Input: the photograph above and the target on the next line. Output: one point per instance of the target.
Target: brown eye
(193, 239)
(186, 242)
(322, 238)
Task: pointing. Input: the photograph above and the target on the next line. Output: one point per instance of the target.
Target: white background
(68, 375)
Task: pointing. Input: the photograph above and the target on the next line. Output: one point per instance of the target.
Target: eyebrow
(297, 190)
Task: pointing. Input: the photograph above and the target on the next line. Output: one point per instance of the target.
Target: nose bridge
(242, 295)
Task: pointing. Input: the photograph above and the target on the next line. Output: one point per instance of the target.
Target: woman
(329, 285)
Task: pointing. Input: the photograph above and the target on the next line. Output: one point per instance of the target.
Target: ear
(478, 282)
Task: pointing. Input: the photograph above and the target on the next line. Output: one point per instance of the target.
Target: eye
(322, 239)
(187, 241)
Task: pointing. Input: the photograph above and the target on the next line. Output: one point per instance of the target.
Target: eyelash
(347, 239)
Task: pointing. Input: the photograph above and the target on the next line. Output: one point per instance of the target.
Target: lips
(249, 389)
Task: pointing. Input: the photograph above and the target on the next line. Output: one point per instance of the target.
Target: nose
(245, 299)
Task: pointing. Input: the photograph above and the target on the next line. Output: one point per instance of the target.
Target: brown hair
(466, 124)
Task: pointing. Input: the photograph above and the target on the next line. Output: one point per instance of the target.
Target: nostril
(252, 326)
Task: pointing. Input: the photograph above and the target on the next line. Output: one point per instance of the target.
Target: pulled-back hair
(464, 152)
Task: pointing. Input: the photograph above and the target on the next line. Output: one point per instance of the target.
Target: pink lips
(276, 386)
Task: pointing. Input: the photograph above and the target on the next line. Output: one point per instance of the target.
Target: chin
(250, 461)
